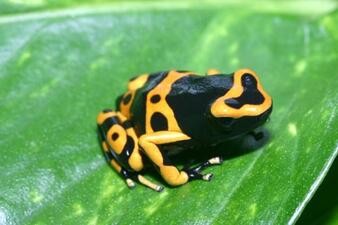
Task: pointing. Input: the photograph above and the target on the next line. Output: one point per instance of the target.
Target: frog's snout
(265, 117)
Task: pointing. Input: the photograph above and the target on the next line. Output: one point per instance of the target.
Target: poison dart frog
(179, 108)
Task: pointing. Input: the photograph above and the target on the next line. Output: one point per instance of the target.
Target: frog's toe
(159, 188)
(130, 183)
(144, 181)
(193, 175)
(208, 177)
(216, 160)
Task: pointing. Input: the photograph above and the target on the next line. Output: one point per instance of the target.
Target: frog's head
(245, 106)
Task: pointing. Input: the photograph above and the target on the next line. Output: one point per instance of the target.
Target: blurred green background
(61, 62)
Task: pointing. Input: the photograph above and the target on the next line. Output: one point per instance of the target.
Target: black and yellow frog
(179, 108)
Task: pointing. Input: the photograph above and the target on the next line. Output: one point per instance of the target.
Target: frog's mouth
(243, 124)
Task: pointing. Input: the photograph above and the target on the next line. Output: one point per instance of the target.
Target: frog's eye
(248, 81)
(226, 122)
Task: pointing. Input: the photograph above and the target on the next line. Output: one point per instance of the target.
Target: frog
(179, 108)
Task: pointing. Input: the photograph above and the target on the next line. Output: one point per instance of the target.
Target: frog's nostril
(231, 102)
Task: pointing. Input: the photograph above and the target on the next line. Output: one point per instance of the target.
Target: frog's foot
(131, 177)
(195, 172)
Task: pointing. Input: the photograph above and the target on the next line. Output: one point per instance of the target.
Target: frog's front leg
(119, 143)
(168, 171)
(196, 171)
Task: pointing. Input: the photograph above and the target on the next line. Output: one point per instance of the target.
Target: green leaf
(323, 207)
(59, 69)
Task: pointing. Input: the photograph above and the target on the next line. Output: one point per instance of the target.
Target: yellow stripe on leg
(148, 183)
(115, 165)
(169, 173)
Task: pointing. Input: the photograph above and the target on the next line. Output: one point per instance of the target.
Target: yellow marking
(125, 109)
(213, 72)
(173, 176)
(121, 117)
(220, 109)
(135, 159)
(103, 116)
(132, 87)
(119, 143)
(163, 89)
(152, 151)
(164, 137)
(115, 165)
(148, 183)
(104, 146)
(138, 82)
(170, 173)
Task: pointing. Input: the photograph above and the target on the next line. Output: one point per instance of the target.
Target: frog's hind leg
(119, 144)
(129, 177)
(171, 174)
(121, 139)
(110, 159)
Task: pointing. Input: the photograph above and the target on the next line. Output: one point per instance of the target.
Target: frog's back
(172, 101)
(139, 107)
(132, 104)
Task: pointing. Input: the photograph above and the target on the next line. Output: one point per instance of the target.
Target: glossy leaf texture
(59, 69)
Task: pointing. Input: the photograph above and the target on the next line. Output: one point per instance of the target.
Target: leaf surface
(59, 69)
